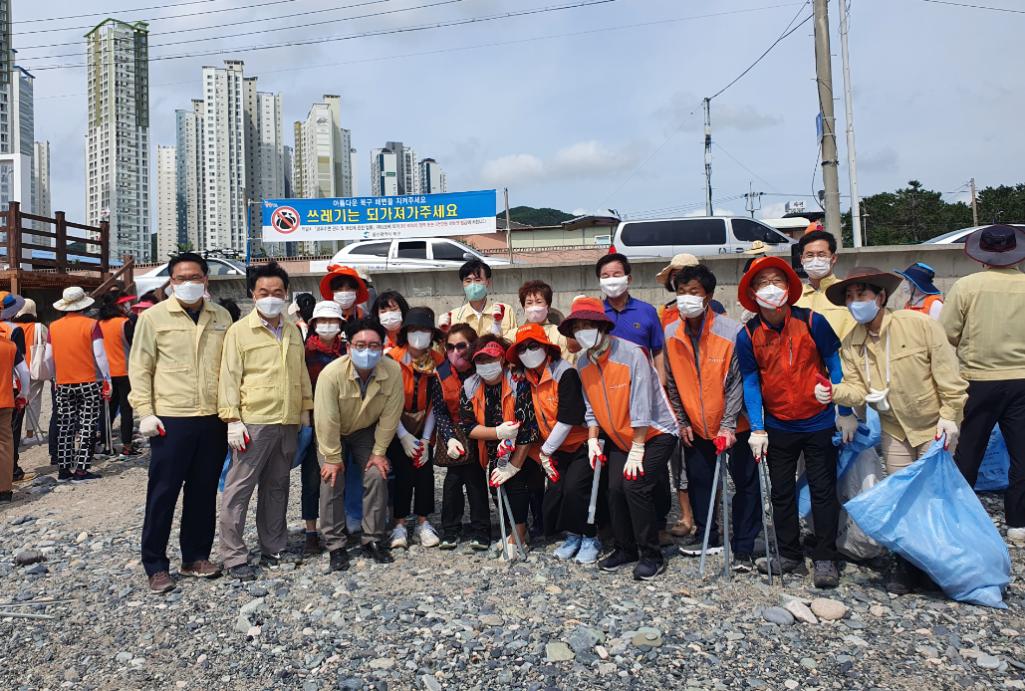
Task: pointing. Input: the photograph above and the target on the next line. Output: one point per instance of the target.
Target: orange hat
(531, 332)
(336, 270)
(794, 286)
(583, 307)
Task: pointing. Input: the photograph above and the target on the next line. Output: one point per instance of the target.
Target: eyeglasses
(449, 347)
(363, 347)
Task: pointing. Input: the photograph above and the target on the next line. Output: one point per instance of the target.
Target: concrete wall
(442, 291)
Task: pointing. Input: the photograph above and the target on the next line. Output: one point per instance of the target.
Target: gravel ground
(455, 620)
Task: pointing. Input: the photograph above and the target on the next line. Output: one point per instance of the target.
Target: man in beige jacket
(264, 395)
(359, 402)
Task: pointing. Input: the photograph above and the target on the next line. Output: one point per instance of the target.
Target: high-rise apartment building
(384, 176)
(41, 202)
(167, 207)
(189, 182)
(6, 49)
(432, 177)
(117, 139)
(17, 145)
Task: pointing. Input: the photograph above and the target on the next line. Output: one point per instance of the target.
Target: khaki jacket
(341, 410)
(925, 384)
(174, 364)
(264, 381)
(839, 317)
(483, 322)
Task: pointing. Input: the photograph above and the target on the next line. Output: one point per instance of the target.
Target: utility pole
(708, 156)
(848, 96)
(975, 205)
(751, 196)
(508, 226)
(824, 77)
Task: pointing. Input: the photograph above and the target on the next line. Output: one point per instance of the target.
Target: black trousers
(120, 388)
(310, 477)
(635, 506)
(785, 448)
(991, 403)
(17, 422)
(519, 489)
(566, 501)
(413, 487)
(746, 516)
(51, 433)
(189, 455)
(470, 478)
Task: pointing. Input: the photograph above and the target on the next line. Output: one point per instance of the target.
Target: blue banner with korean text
(368, 218)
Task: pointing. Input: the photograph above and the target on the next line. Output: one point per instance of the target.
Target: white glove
(634, 467)
(455, 449)
(823, 394)
(549, 466)
(950, 429)
(410, 445)
(238, 435)
(848, 426)
(445, 321)
(759, 443)
(420, 459)
(151, 426)
(502, 473)
(595, 452)
(304, 418)
(497, 315)
(507, 430)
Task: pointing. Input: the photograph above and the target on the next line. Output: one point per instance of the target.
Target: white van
(698, 235)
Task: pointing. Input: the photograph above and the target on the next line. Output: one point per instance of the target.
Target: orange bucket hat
(336, 270)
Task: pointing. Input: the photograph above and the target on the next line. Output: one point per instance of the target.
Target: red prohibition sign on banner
(285, 220)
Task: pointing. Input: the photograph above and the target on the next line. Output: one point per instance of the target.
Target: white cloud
(716, 211)
(512, 169)
(881, 161)
(684, 112)
(586, 159)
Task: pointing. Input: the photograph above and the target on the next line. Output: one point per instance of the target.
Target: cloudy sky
(586, 108)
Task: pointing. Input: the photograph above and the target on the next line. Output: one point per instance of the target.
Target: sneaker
(243, 572)
(19, 473)
(449, 542)
(743, 562)
(129, 450)
(6, 497)
(272, 560)
(826, 575)
(201, 568)
(339, 560)
(427, 535)
(312, 545)
(1016, 536)
(480, 544)
(785, 565)
(691, 546)
(512, 552)
(681, 529)
(399, 537)
(64, 475)
(903, 578)
(569, 548)
(615, 561)
(378, 552)
(161, 582)
(84, 476)
(649, 569)
(590, 547)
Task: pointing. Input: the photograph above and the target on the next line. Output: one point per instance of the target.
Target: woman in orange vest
(410, 451)
(455, 452)
(497, 412)
(559, 410)
(390, 309)
(12, 366)
(923, 295)
(117, 328)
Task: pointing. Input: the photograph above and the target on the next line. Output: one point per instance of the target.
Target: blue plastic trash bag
(224, 471)
(929, 515)
(305, 439)
(995, 465)
(868, 436)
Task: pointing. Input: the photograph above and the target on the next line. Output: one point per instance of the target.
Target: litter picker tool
(719, 478)
(768, 524)
(503, 500)
(592, 507)
(501, 523)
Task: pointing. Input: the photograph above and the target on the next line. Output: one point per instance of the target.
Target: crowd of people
(583, 428)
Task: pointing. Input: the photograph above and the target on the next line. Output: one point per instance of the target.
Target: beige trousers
(358, 447)
(900, 454)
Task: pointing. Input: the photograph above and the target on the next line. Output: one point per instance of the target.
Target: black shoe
(6, 497)
(449, 542)
(903, 578)
(339, 560)
(64, 475)
(270, 560)
(649, 569)
(826, 574)
(480, 544)
(378, 552)
(243, 572)
(84, 476)
(691, 546)
(312, 546)
(19, 473)
(743, 562)
(615, 561)
(785, 565)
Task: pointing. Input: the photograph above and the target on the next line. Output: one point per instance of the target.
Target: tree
(1003, 204)
(530, 216)
(910, 215)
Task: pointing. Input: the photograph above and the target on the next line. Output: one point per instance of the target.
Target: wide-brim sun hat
(326, 309)
(887, 280)
(28, 308)
(584, 308)
(73, 299)
(794, 286)
(336, 270)
(531, 332)
(678, 262)
(921, 275)
(997, 245)
(420, 318)
(757, 247)
(10, 305)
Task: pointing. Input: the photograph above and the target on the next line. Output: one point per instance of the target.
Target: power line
(737, 161)
(975, 7)
(109, 12)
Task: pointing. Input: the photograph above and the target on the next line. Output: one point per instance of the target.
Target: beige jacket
(264, 381)
(174, 363)
(342, 410)
(838, 316)
(924, 381)
(483, 322)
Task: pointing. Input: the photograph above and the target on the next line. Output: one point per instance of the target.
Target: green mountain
(530, 216)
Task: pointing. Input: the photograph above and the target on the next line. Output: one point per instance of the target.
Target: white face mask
(587, 338)
(345, 298)
(390, 320)
(490, 371)
(419, 339)
(270, 307)
(771, 297)
(533, 358)
(328, 330)
(189, 292)
(536, 315)
(818, 267)
(690, 306)
(615, 286)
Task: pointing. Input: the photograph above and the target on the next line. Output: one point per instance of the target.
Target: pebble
(829, 610)
(430, 683)
(492, 620)
(791, 684)
(808, 663)
(647, 637)
(778, 616)
(988, 661)
(242, 624)
(382, 663)
(557, 651)
(37, 569)
(801, 612)
(82, 537)
(26, 556)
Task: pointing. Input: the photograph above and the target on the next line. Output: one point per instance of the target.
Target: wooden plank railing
(95, 244)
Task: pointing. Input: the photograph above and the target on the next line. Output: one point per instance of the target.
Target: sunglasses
(449, 347)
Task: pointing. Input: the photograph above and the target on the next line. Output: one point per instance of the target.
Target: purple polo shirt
(638, 323)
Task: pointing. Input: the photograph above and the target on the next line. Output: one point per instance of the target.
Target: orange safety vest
(72, 340)
(788, 361)
(451, 385)
(705, 403)
(607, 386)
(545, 395)
(8, 353)
(926, 305)
(473, 387)
(670, 314)
(401, 355)
(114, 343)
(29, 329)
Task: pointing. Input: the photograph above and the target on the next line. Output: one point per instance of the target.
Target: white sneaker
(399, 537)
(426, 534)
(1017, 536)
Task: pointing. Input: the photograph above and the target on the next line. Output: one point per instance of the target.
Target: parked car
(957, 237)
(698, 235)
(405, 254)
(155, 278)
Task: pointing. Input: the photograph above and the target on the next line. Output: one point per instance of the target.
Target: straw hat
(74, 299)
